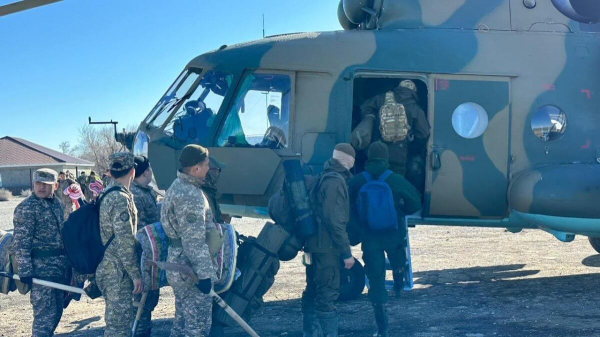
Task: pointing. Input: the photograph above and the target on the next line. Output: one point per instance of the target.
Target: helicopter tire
(595, 242)
(352, 282)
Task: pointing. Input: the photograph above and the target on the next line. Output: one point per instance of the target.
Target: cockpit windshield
(197, 110)
(170, 100)
(193, 103)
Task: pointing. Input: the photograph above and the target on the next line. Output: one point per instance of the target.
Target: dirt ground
(470, 282)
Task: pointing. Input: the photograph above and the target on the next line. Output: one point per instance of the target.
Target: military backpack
(393, 123)
(81, 236)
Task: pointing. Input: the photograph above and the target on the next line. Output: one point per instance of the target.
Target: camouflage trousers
(47, 309)
(145, 323)
(116, 288)
(193, 309)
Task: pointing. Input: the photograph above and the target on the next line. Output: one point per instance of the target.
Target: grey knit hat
(346, 148)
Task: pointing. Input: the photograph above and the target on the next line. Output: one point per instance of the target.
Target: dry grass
(25, 193)
(5, 194)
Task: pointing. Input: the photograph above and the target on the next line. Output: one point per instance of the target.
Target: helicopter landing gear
(595, 242)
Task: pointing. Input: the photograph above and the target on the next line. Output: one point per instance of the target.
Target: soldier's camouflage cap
(121, 161)
(45, 175)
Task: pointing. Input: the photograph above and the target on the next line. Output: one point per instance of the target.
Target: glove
(204, 286)
(28, 280)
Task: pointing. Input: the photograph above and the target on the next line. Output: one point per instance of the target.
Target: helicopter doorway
(368, 96)
(467, 175)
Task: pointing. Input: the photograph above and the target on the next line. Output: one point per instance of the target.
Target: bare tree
(65, 147)
(95, 144)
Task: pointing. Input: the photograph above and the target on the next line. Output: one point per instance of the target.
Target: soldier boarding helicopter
(509, 88)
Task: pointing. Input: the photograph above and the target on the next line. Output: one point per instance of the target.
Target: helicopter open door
(468, 161)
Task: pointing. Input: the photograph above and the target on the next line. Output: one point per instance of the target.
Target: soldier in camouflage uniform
(405, 94)
(38, 249)
(186, 217)
(119, 275)
(107, 180)
(63, 183)
(82, 181)
(148, 213)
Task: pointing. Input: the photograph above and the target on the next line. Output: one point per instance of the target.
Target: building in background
(19, 158)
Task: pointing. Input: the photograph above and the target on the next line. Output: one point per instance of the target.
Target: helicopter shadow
(592, 261)
(472, 275)
(502, 300)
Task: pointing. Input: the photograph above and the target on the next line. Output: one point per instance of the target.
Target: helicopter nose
(584, 11)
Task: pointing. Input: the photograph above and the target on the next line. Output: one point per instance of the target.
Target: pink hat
(96, 187)
(73, 191)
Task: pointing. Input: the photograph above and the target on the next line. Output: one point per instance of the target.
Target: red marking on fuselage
(587, 92)
(548, 87)
(587, 145)
(467, 158)
(441, 85)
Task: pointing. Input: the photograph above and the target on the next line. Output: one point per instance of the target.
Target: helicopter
(507, 87)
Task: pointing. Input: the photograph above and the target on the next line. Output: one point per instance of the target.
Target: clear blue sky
(106, 59)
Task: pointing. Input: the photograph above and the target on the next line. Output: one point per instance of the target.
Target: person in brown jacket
(330, 200)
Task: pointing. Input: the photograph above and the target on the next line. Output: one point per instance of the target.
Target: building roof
(15, 152)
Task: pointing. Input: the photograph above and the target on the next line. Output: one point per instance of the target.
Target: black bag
(81, 236)
(281, 211)
(258, 263)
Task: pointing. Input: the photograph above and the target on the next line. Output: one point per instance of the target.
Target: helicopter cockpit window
(260, 114)
(170, 100)
(469, 120)
(198, 108)
(549, 123)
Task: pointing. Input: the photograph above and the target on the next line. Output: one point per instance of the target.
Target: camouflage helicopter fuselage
(509, 59)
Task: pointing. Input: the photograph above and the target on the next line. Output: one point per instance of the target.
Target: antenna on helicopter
(263, 25)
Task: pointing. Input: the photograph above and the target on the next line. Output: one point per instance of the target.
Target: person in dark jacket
(407, 200)
(209, 187)
(405, 94)
(329, 197)
(148, 213)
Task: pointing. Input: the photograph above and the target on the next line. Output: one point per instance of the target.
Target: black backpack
(81, 236)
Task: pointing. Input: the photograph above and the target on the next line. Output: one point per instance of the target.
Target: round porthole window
(549, 123)
(470, 120)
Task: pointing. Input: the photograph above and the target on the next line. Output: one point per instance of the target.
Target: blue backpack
(376, 204)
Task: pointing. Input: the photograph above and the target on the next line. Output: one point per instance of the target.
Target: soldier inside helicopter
(393, 111)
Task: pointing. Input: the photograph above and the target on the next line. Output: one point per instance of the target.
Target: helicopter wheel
(595, 242)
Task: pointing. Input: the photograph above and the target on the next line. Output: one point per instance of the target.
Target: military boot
(216, 330)
(146, 333)
(329, 323)
(310, 324)
(381, 318)
(398, 275)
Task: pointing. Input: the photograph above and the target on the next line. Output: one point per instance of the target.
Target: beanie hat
(346, 148)
(141, 165)
(378, 150)
(344, 153)
(192, 155)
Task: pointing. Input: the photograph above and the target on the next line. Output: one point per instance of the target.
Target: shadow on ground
(592, 261)
(479, 301)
